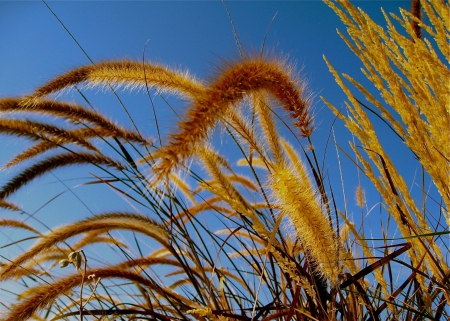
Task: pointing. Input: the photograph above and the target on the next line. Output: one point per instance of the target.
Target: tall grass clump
(252, 234)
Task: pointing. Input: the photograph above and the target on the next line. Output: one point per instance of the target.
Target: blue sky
(191, 35)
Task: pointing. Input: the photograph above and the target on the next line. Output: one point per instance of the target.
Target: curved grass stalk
(256, 162)
(53, 162)
(103, 222)
(128, 74)
(8, 205)
(206, 205)
(40, 131)
(143, 263)
(232, 197)
(244, 181)
(44, 294)
(268, 127)
(182, 185)
(247, 135)
(57, 254)
(17, 224)
(230, 87)
(96, 237)
(86, 133)
(220, 182)
(72, 112)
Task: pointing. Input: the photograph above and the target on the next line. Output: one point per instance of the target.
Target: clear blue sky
(191, 35)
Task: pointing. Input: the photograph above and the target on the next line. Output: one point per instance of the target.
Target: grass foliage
(254, 237)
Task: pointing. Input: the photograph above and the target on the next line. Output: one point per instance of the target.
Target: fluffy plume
(295, 197)
(234, 82)
(128, 74)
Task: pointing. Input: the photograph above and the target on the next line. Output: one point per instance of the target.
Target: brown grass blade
(17, 224)
(109, 221)
(44, 294)
(54, 162)
(405, 247)
(75, 113)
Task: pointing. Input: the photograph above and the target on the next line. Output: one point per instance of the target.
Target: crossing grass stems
(286, 251)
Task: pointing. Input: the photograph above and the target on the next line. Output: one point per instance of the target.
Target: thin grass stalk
(102, 222)
(44, 294)
(54, 162)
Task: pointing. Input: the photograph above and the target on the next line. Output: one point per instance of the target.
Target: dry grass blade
(86, 133)
(117, 312)
(40, 131)
(42, 295)
(369, 269)
(72, 112)
(103, 222)
(54, 162)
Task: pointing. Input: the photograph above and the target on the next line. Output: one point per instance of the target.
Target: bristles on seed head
(234, 81)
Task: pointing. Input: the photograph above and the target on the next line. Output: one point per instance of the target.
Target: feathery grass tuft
(210, 242)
